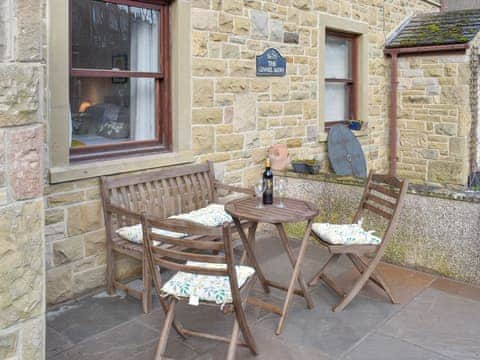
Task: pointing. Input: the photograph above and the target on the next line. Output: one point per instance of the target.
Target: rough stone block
(244, 117)
(276, 30)
(88, 280)
(291, 37)
(208, 67)
(231, 85)
(232, 6)
(204, 20)
(446, 129)
(446, 172)
(225, 23)
(84, 217)
(270, 109)
(259, 21)
(8, 345)
(230, 142)
(6, 29)
(53, 216)
(207, 116)
(230, 51)
(20, 89)
(25, 157)
(241, 25)
(65, 199)
(242, 68)
(203, 139)
(68, 250)
(29, 30)
(202, 92)
(430, 154)
(22, 270)
(199, 43)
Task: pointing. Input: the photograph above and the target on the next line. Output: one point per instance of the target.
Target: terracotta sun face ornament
(279, 156)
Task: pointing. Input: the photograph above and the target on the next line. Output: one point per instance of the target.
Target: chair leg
(247, 334)
(358, 286)
(376, 277)
(233, 342)
(318, 276)
(162, 343)
(110, 274)
(147, 288)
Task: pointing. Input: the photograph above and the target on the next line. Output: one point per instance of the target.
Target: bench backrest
(161, 193)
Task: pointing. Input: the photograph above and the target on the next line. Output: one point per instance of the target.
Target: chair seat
(209, 288)
(345, 234)
(211, 215)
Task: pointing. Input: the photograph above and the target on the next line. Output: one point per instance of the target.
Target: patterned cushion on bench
(205, 287)
(211, 215)
(346, 234)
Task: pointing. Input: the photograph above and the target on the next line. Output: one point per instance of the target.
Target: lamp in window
(84, 106)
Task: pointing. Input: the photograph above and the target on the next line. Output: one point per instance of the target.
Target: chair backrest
(205, 247)
(384, 196)
(161, 193)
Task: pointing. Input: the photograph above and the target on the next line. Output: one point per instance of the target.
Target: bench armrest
(113, 209)
(237, 189)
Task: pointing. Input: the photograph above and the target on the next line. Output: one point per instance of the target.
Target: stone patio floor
(437, 319)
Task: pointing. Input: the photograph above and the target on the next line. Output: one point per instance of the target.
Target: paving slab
(331, 333)
(92, 315)
(131, 340)
(56, 342)
(440, 322)
(269, 347)
(405, 284)
(457, 288)
(381, 347)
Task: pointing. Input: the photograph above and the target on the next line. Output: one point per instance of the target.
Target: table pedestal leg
(291, 256)
(250, 253)
(295, 277)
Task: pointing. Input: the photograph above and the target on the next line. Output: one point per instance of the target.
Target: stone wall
(236, 116)
(435, 117)
(22, 127)
(433, 234)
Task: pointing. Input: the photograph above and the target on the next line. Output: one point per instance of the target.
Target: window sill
(117, 166)
(323, 137)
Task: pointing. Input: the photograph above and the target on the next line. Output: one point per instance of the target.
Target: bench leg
(147, 288)
(110, 274)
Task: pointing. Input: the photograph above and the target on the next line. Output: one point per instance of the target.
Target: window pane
(337, 102)
(111, 110)
(112, 36)
(338, 58)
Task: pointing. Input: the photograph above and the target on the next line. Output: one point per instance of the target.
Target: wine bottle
(268, 184)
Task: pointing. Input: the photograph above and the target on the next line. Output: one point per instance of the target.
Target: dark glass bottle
(268, 181)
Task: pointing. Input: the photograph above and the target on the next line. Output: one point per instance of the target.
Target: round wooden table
(292, 212)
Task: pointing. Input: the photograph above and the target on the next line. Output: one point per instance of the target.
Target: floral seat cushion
(211, 215)
(209, 288)
(345, 234)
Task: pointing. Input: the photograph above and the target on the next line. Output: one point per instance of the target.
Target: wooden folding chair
(384, 196)
(207, 250)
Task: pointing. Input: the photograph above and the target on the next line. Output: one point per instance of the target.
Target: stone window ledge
(117, 166)
(451, 192)
(323, 137)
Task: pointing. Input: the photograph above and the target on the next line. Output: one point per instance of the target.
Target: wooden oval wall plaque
(345, 153)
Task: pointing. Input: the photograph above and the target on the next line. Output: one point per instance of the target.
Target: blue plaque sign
(271, 63)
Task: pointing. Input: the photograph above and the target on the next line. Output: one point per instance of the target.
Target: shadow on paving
(438, 319)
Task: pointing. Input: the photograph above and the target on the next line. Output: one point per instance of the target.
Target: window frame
(352, 83)
(163, 112)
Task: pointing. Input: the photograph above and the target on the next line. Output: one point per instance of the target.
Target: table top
(294, 211)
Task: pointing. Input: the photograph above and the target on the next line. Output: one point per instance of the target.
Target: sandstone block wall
(22, 153)
(436, 106)
(236, 116)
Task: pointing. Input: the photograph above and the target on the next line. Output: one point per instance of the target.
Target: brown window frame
(352, 83)
(163, 113)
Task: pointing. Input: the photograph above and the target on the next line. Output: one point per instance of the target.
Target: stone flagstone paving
(438, 319)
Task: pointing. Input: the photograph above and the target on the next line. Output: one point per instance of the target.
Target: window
(340, 78)
(119, 78)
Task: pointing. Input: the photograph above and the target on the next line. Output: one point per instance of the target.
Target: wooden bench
(158, 194)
